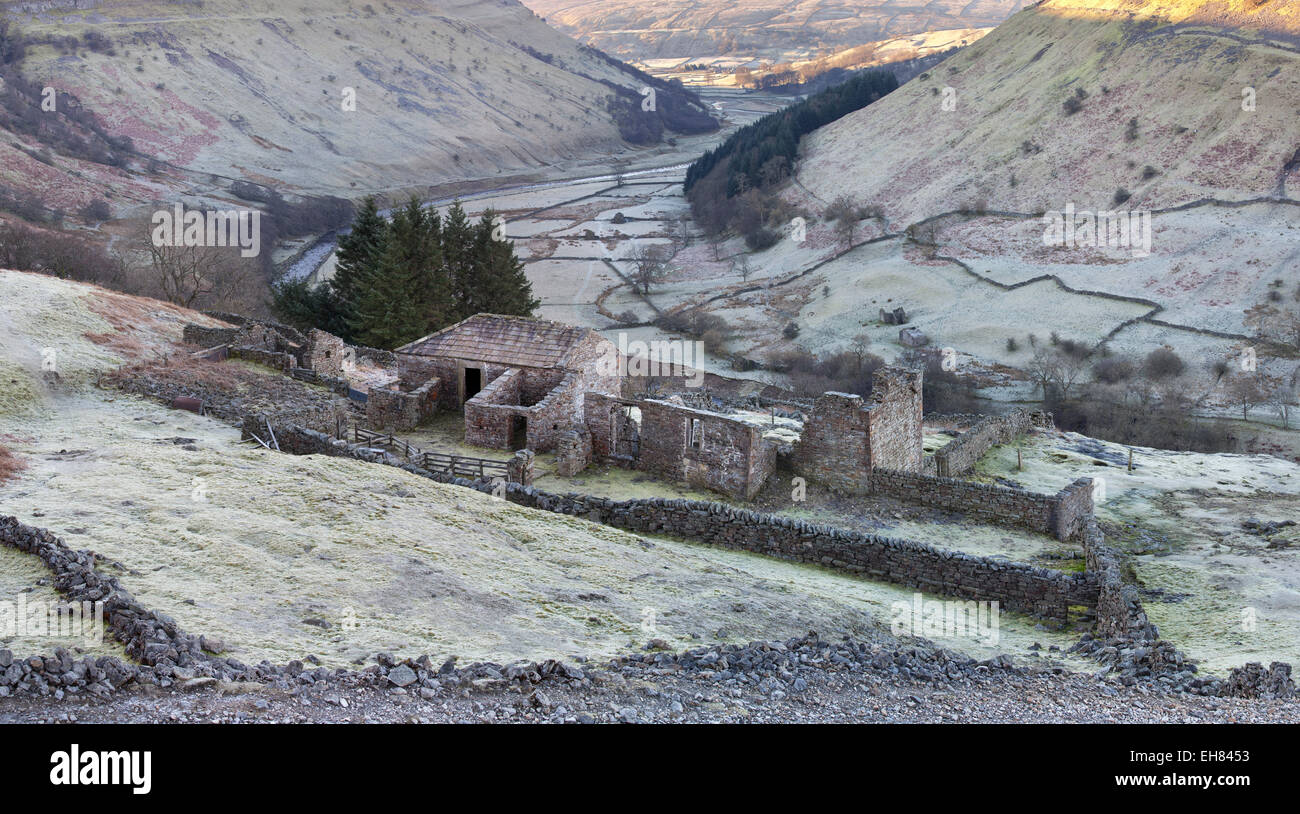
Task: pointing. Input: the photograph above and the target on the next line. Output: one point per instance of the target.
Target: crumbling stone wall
(558, 410)
(846, 435)
(703, 449)
(606, 419)
(489, 414)
(894, 420)
(1073, 508)
(833, 447)
(1017, 587)
(520, 468)
(1061, 515)
(1120, 613)
(206, 337)
(677, 443)
(283, 362)
(394, 409)
(572, 452)
(329, 355)
(961, 454)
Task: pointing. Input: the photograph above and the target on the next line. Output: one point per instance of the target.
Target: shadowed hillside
(327, 98)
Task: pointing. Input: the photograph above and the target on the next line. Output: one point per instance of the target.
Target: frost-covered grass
(1181, 514)
(25, 581)
(261, 549)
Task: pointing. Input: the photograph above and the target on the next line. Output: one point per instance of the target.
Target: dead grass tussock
(10, 464)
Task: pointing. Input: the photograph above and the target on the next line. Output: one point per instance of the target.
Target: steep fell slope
(1162, 85)
(332, 96)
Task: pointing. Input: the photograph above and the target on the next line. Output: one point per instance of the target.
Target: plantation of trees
(748, 154)
(402, 278)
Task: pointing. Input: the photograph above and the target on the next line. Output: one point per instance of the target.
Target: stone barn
(520, 381)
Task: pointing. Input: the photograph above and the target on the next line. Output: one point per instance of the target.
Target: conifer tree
(458, 257)
(358, 258)
(498, 274)
(406, 294)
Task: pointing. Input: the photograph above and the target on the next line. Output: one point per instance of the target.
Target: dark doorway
(518, 432)
(473, 382)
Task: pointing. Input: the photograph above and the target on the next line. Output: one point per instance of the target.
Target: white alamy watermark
(209, 228)
(656, 357)
(1072, 229)
(22, 618)
(74, 767)
(947, 618)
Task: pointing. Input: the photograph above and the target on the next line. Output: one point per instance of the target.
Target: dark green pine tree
(407, 294)
(498, 274)
(358, 260)
(458, 258)
(302, 305)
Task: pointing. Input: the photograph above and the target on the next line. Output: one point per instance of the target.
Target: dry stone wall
(1017, 587)
(961, 454)
(1060, 515)
(388, 409)
(677, 443)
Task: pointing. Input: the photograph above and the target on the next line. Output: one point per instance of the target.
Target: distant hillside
(331, 98)
(768, 29)
(1082, 100)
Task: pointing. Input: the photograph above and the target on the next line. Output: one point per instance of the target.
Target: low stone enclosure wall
(392, 409)
(166, 655)
(1125, 639)
(961, 454)
(1018, 587)
(1061, 515)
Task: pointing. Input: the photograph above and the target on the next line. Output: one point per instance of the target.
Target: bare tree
(684, 230)
(845, 212)
(741, 266)
(715, 243)
(1044, 369)
(185, 275)
(1069, 367)
(1246, 391)
(1283, 397)
(619, 169)
(649, 265)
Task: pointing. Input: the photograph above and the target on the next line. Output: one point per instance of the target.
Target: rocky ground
(798, 681)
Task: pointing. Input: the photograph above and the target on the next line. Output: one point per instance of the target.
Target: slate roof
(502, 340)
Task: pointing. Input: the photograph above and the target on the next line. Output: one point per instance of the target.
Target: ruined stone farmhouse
(521, 382)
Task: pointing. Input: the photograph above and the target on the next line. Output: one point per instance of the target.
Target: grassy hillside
(1075, 101)
(332, 97)
(281, 556)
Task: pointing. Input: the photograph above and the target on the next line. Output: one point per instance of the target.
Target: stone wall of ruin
(833, 447)
(206, 337)
(732, 457)
(572, 452)
(961, 454)
(396, 410)
(489, 414)
(1015, 586)
(894, 420)
(329, 355)
(1060, 515)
